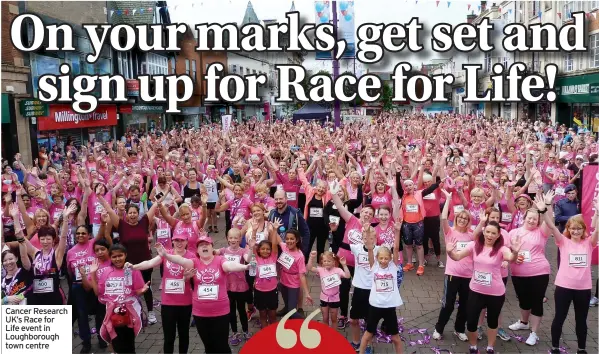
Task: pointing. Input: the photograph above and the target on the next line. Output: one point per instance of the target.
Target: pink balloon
(344, 12)
(319, 14)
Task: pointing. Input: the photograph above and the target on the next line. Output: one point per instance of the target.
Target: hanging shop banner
(226, 120)
(63, 117)
(345, 22)
(589, 193)
(132, 88)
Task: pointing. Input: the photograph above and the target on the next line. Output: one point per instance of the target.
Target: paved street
(421, 296)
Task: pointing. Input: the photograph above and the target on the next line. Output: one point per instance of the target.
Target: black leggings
(476, 303)
(227, 221)
(124, 342)
(344, 292)
(530, 292)
(214, 333)
(237, 303)
(454, 286)
(176, 319)
(147, 275)
(563, 298)
(249, 296)
(100, 315)
(432, 228)
(319, 234)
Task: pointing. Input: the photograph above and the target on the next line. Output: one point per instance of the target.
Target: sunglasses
(80, 233)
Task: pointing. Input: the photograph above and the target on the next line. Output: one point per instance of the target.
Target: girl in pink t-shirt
(573, 282)
(330, 280)
(487, 289)
(237, 286)
(293, 271)
(266, 296)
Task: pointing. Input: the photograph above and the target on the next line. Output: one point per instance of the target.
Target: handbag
(120, 317)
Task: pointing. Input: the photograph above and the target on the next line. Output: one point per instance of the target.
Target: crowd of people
(378, 198)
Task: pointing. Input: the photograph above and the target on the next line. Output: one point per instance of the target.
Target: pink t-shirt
(76, 193)
(353, 236)
(235, 280)
(486, 278)
(575, 268)
(190, 230)
(533, 250)
(504, 234)
(378, 200)
(113, 287)
(80, 255)
(94, 208)
(292, 266)
(55, 212)
(240, 207)
(385, 236)
(175, 290)
(266, 273)
(210, 298)
(462, 268)
(163, 233)
(330, 280)
(290, 187)
(102, 268)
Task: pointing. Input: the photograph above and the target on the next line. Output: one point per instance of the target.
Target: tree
(387, 97)
(358, 101)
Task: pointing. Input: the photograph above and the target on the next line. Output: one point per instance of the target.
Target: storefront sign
(189, 111)
(132, 88)
(5, 109)
(33, 108)
(63, 117)
(578, 89)
(140, 108)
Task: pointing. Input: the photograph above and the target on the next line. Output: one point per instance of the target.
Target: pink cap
(205, 238)
(178, 235)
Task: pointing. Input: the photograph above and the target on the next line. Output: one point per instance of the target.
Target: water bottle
(253, 265)
(330, 238)
(128, 278)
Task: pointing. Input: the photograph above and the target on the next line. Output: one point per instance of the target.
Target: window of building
(241, 70)
(125, 64)
(193, 70)
(535, 8)
(594, 52)
(234, 69)
(156, 64)
(488, 62)
(254, 71)
(569, 8)
(547, 4)
(173, 66)
(247, 71)
(594, 4)
(505, 62)
(187, 67)
(568, 62)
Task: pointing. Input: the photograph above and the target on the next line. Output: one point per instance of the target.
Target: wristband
(5, 300)
(547, 204)
(542, 211)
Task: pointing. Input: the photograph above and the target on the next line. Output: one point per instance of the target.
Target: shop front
(578, 101)
(189, 117)
(63, 126)
(141, 117)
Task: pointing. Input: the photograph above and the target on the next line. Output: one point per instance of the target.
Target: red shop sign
(62, 116)
(132, 87)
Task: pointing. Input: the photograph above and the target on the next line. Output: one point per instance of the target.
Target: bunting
(478, 7)
(509, 11)
(469, 7)
(594, 15)
(448, 3)
(131, 12)
(559, 14)
(438, 3)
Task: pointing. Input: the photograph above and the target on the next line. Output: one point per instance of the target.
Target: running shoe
(425, 262)
(437, 335)
(474, 351)
(461, 336)
(480, 332)
(518, 326)
(355, 346)
(490, 350)
(555, 351)
(152, 318)
(246, 335)
(440, 264)
(341, 322)
(234, 339)
(581, 351)
(420, 270)
(594, 301)
(250, 313)
(532, 339)
(369, 350)
(503, 335)
(408, 267)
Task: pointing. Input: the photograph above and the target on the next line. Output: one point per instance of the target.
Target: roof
(292, 6)
(250, 15)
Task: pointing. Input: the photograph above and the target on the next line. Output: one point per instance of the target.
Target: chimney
(470, 18)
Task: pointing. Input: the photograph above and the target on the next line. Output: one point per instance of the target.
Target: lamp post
(337, 106)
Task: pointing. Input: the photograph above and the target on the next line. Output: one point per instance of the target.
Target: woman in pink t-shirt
(530, 273)
(457, 274)
(184, 223)
(486, 286)
(573, 281)
(210, 303)
(330, 281)
(175, 293)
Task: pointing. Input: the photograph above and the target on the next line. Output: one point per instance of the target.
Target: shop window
(568, 62)
(125, 64)
(569, 8)
(594, 55)
(594, 4)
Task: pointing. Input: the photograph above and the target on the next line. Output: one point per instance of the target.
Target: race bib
(578, 260)
(483, 278)
(291, 195)
(560, 191)
(78, 273)
(208, 292)
(260, 236)
(459, 246)
(354, 237)
(286, 260)
(549, 170)
(430, 196)
(162, 234)
(334, 219)
(42, 286)
(174, 286)
(412, 208)
(506, 217)
(526, 255)
(233, 258)
(384, 285)
(458, 209)
(114, 287)
(187, 200)
(363, 260)
(331, 281)
(316, 212)
(99, 208)
(267, 271)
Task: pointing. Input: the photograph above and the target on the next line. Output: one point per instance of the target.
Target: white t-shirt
(362, 274)
(384, 292)
(212, 190)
